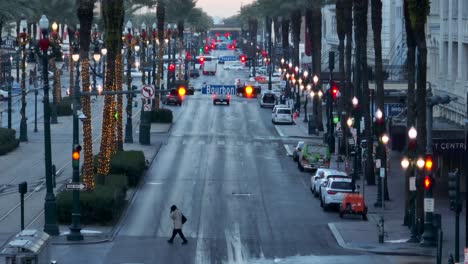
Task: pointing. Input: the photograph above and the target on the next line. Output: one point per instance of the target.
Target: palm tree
(377, 30)
(410, 97)
(113, 15)
(11, 10)
(418, 12)
(85, 15)
(315, 35)
(360, 19)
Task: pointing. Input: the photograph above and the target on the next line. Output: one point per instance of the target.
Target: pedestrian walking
(178, 219)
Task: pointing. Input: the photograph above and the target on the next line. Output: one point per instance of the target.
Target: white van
(282, 115)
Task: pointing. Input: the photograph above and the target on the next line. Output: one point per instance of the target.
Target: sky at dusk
(222, 8)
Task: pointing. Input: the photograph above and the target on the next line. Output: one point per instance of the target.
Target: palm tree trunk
(160, 12)
(377, 30)
(348, 17)
(411, 104)
(296, 20)
(112, 12)
(180, 29)
(85, 16)
(315, 34)
(285, 37)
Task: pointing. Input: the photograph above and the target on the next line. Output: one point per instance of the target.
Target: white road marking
(237, 253)
(288, 149)
(155, 183)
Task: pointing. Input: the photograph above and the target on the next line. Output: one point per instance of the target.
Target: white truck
(209, 67)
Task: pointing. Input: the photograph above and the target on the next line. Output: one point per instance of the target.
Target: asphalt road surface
(226, 168)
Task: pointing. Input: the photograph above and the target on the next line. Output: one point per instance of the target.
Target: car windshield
(342, 185)
(317, 149)
(268, 98)
(284, 111)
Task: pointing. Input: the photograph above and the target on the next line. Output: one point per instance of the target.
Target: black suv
(173, 98)
(194, 73)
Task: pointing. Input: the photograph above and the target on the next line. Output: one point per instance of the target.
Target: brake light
(214, 96)
(331, 192)
(229, 96)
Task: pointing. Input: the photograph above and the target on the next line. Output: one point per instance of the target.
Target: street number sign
(75, 186)
(429, 205)
(378, 164)
(147, 91)
(412, 184)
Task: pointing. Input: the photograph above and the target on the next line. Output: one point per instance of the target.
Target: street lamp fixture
(305, 74)
(412, 133)
(355, 101)
(405, 163)
(50, 207)
(420, 163)
(137, 48)
(385, 139)
(315, 79)
(97, 56)
(76, 57)
(378, 114)
(350, 122)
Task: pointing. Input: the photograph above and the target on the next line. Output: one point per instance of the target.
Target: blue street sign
(393, 109)
(218, 89)
(228, 58)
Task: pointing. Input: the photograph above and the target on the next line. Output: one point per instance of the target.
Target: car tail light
(331, 192)
(214, 96)
(229, 97)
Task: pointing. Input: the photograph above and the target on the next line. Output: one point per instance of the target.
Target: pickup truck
(313, 156)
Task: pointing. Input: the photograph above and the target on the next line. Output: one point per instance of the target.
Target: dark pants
(175, 232)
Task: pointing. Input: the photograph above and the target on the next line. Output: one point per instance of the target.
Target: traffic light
(336, 118)
(201, 50)
(429, 163)
(454, 190)
(76, 155)
(182, 91)
(243, 58)
(188, 55)
(335, 91)
(172, 67)
(207, 49)
(428, 182)
(202, 60)
(249, 91)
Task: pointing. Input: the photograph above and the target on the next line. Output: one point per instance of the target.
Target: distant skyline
(222, 8)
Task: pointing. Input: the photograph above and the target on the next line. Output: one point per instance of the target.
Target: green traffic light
(336, 120)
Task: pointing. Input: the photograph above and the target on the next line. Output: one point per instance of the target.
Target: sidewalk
(26, 163)
(363, 235)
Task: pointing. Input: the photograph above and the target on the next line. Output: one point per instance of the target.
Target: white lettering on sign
(429, 205)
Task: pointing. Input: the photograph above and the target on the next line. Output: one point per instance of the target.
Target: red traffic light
(172, 67)
(202, 60)
(188, 55)
(429, 163)
(335, 91)
(427, 182)
(243, 58)
(182, 91)
(76, 152)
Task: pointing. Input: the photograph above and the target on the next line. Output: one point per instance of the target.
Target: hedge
(161, 116)
(8, 141)
(64, 107)
(103, 205)
(131, 163)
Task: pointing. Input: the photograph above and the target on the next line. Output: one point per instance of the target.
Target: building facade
(447, 60)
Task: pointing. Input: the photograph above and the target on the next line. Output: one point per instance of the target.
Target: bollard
(381, 227)
(22, 189)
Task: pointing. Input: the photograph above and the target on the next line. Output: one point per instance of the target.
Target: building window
(333, 26)
(446, 7)
(465, 9)
(398, 12)
(454, 8)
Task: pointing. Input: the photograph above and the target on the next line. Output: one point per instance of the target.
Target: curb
(390, 251)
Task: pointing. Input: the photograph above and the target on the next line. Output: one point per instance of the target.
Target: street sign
(75, 186)
(351, 141)
(382, 172)
(9, 42)
(339, 133)
(147, 107)
(378, 163)
(147, 91)
(218, 89)
(429, 205)
(412, 184)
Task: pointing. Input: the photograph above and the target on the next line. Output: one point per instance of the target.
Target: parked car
(234, 67)
(313, 156)
(268, 100)
(297, 149)
(322, 175)
(334, 190)
(282, 115)
(3, 95)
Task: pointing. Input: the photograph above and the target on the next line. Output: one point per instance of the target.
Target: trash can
(28, 246)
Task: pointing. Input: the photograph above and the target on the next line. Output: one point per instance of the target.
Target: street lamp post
(23, 40)
(129, 126)
(154, 42)
(306, 92)
(75, 228)
(10, 83)
(380, 129)
(357, 152)
(56, 53)
(96, 58)
(143, 52)
(50, 207)
(103, 53)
